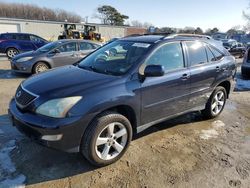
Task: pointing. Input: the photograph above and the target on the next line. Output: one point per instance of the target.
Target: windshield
(115, 58)
(50, 46)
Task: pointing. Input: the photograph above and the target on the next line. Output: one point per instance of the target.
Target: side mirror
(154, 71)
(55, 51)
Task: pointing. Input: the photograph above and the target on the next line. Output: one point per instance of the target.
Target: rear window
(218, 55)
(22, 37)
(86, 46)
(196, 52)
(8, 36)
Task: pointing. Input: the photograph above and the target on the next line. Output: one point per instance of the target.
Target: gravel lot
(184, 152)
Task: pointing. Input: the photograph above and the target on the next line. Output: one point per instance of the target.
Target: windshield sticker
(141, 45)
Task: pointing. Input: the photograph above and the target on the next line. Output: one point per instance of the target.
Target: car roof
(78, 40)
(155, 38)
(143, 38)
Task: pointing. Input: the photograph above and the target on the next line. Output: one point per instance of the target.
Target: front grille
(24, 97)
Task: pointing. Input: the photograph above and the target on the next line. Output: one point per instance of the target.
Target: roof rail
(189, 35)
(145, 34)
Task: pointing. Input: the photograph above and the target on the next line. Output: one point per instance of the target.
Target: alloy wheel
(41, 68)
(218, 102)
(111, 141)
(11, 53)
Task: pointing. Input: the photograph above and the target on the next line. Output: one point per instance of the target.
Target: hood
(65, 81)
(26, 54)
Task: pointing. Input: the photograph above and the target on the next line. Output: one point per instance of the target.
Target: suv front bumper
(63, 134)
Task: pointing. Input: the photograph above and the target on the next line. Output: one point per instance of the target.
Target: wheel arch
(10, 48)
(227, 85)
(124, 110)
(40, 61)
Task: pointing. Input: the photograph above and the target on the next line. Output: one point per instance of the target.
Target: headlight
(57, 108)
(23, 59)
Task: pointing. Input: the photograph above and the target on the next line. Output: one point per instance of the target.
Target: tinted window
(196, 53)
(8, 36)
(216, 53)
(169, 55)
(36, 38)
(210, 55)
(22, 37)
(85, 46)
(69, 47)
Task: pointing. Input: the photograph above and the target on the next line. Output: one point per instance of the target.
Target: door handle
(217, 69)
(185, 76)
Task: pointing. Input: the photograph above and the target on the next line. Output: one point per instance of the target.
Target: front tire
(11, 52)
(40, 67)
(216, 103)
(106, 139)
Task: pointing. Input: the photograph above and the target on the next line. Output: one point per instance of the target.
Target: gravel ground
(184, 152)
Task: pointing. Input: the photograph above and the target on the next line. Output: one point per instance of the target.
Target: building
(50, 30)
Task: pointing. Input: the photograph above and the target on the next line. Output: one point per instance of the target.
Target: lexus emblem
(18, 94)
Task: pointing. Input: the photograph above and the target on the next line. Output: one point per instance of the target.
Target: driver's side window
(169, 55)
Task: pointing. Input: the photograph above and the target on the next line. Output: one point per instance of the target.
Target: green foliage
(109, 15)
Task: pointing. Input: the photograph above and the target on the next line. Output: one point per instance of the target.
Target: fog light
(23, 68)
(52, 137)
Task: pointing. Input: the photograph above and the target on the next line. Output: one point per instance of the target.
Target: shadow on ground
(40, 164)
(8, 74)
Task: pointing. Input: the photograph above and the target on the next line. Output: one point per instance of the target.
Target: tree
(198, 30)
(33, 12)
(136, 23)
(212, 31)
(109, 15)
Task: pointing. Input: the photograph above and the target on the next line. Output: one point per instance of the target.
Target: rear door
(84, 49)
(204, 68)
(167, 95)
(37, 41)
(67, 55)
(23, 41)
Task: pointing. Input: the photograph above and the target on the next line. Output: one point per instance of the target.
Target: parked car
(14, 43)
(235, 48)
(96, 106)
(245, 67)
(54, 54)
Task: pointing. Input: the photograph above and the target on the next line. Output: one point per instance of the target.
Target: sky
(223, 14)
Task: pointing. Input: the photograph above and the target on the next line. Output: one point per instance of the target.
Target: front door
(166, 95)
(67, 55)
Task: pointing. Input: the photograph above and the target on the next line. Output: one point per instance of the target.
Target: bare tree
(33, 12)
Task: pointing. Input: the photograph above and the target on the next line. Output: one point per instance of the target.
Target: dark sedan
(55, 54)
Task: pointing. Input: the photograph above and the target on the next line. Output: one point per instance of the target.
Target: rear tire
(40, 67)
(11, 52)
(215, 103)
(106, 139)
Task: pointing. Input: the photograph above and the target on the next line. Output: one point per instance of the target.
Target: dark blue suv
(121, 89)
(14, 43)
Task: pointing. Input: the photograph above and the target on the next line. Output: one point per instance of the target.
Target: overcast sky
(223, 14)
